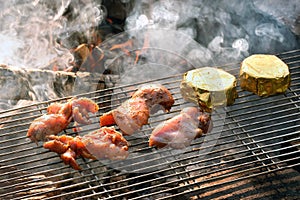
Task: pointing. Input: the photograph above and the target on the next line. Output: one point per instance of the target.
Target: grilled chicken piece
(179, 131)
(59, 116)
(155, 94)
(129, 116)
(132, 114)
(104, 143)
(47, 125)
(79, 107)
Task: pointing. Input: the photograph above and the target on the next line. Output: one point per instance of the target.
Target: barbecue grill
(252, 152)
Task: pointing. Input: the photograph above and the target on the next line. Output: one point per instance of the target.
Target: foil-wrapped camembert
(264, 75)
(209, 87)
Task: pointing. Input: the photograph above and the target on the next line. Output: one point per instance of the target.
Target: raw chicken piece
(132, 114)
(104, 143)
(179, 131)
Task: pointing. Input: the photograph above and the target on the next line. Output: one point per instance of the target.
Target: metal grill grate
(253, 152)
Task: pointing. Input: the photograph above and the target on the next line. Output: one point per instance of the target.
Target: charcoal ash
(14, 85)
(37, 85)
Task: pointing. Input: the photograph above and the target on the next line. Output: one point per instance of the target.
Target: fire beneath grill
(252, 152)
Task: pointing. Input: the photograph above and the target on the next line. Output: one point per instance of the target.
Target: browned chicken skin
(47, 125)
(131, 115)
(59, 116)
(155, 94)
(105, 142)
(134, 113)
(179, 131)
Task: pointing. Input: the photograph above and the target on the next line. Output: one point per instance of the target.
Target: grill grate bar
(255, 129)
(35, 174)
(228, 182)
(61, 99)
(256, 145)
(234, 160)
(233, 141)
(133, 85)
(241, 126)
(188, 178)
(260, 104)
(298, 138)
(64, 188)
(26, 118)
(117, 196)
(267, 133)
(222, 169)
(252, 149)
(239, 115)
(260, 136)
(235, 173)
(219, 157)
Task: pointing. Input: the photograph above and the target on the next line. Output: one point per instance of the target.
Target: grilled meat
(47, 125)
(59, 116)
(132, 114)
(179, 131)
(155, 94)
(104, 143)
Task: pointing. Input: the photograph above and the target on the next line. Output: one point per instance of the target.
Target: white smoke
(229, 30)
(287, 12)
(29, 30)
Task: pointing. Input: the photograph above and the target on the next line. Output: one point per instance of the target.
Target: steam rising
(29, 30)
(228, 31)
(182, 34)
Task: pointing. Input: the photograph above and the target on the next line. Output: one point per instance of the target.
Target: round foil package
(209, 87)
(264, 75)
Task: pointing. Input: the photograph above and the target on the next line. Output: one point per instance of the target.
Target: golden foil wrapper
(264, 75)
(209, 87)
